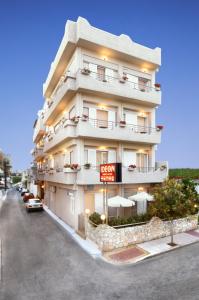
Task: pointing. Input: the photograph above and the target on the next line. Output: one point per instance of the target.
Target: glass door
(142, 162)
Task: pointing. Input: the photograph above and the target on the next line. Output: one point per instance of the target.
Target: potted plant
(66, 167)
(87, 166)
(163, 167)
(122, 123)
(85, 71)
(75, 167)
(124, 78)
(51, 170)
(75, 119)
(157, 86)
(84, 117)
(131, 167)
(159, 127)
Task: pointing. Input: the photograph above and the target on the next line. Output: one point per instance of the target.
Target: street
(41, 261)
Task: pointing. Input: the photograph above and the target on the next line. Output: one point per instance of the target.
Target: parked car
(34, 205)
(28, 196)
(23, 191)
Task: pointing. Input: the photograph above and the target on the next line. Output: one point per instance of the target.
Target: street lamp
(103, 218)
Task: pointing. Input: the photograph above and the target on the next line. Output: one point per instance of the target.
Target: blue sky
(31, 32)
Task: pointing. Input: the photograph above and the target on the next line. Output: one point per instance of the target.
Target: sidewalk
(2, 197)
(136, 253)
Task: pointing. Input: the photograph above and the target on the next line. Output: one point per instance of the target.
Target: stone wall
(108, 238)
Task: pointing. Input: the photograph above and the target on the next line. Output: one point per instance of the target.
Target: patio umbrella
(119, 201)
(141, 199)
(141, 196)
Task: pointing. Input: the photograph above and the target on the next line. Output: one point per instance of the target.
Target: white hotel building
(100, 106)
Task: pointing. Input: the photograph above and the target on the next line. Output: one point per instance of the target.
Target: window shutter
(109, 72)
(93, 69)
(133, 79)
(131, 118)
(92, 157)
(129, 158)
(67, 158)
(92, 115)
(111, 156)
(111, 119)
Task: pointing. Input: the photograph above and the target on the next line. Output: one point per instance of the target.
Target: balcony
(104, 86)
(139, 175)
(63, 93)
(82, 34)
(40, 175)
(39, 130)
(93, 128)
(65, 131)
(38, 153)
(117, 88)
(59, 176)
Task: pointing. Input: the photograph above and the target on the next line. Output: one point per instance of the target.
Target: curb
(87, 245)
(167, 251)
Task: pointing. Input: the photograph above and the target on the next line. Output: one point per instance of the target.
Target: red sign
(109, 173)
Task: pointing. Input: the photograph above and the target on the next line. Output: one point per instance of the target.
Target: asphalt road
(41, 261)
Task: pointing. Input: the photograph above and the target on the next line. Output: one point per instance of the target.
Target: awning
(119, 201)
(141, 196)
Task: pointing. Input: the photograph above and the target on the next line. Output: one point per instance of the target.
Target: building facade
(100, 106)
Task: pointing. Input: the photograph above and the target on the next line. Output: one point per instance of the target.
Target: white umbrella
(119, 201)
(141, 196)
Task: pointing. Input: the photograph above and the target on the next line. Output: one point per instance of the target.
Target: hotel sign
(111, 172)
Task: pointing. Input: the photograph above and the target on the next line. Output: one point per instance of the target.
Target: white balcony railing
(140, 86)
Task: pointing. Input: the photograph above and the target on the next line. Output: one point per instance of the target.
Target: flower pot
(85, 71)
(131, 169)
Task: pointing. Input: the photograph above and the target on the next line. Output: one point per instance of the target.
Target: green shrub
(95, 218)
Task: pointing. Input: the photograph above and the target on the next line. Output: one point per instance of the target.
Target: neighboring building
(100, 105)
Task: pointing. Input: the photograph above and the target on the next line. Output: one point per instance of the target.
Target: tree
(174, 199)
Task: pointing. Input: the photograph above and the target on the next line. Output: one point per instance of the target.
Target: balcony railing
(104, 124)
(123, 80)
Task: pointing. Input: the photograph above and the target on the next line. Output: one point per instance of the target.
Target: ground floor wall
(69, 202)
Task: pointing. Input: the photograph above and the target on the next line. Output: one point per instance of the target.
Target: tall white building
(100, 107)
